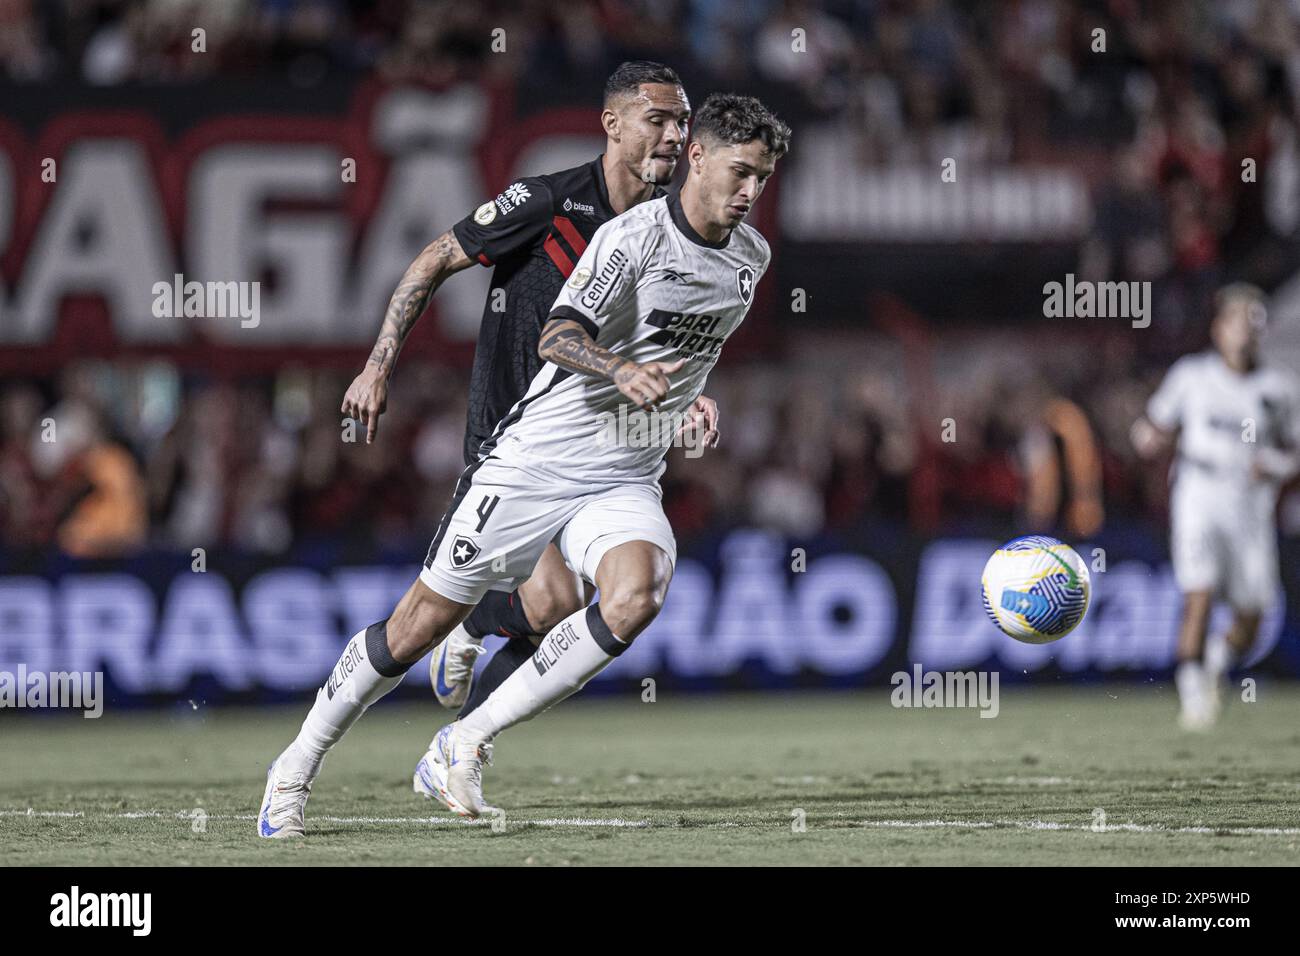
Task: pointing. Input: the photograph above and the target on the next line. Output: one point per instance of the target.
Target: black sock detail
(499, 613)
(605, 638)
(511, 656)
(377, 651)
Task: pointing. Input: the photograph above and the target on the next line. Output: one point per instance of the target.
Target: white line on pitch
(1051, 825)
(618, 822)
(370, 821)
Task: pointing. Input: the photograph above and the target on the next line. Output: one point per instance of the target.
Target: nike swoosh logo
(443, 689)
(1074, 578)
(263, 822)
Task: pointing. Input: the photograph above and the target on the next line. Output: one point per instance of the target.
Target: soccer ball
(1036, 589)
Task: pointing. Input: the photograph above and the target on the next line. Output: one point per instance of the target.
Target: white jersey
(648, 288)
(1227, 422)
(1223, 537)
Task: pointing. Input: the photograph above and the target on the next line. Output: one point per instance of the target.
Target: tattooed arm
(567, 344)
(367, 397)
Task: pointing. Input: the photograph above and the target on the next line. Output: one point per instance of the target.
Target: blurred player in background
(533, 234)
(1236, 426)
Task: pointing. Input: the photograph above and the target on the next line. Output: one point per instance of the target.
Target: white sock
(1220, 657)
(1189, 678)
(575, 651)
(364, 673)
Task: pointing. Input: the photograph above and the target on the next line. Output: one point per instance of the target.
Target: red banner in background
(108, 224)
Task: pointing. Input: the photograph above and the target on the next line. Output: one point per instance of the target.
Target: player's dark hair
(734, 119)
(629, 76)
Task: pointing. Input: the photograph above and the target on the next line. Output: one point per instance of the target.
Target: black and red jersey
(533, 234)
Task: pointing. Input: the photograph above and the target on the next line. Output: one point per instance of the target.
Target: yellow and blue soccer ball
(1036, 589)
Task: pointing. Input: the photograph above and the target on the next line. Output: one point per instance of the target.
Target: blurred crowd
(1158, 102)
(110, 458)
(906, 65)
(124, 456)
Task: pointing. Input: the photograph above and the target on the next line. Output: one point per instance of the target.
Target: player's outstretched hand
(704, 412)
(647, 385)
(367, 398)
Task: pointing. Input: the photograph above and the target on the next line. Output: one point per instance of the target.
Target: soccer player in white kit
(641, 320)
(1237, 428)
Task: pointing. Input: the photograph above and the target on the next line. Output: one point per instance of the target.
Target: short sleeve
(765, 255)
(1166, 407)
(518, 217)
(604, 277)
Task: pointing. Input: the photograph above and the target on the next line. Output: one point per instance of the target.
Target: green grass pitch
(685, 780)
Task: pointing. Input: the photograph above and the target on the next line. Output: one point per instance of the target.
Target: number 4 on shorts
(484, 510)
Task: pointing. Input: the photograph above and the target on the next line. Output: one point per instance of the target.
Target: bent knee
(545, 609)
(629, 609)
(421, 617)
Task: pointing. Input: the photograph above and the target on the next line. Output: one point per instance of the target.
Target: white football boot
(430, 778)
(451, 667)
(1197, 711)
(284, 804)
(1197, 718)
(464, 755)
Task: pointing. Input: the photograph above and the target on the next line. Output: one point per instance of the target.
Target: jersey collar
(684, 226)
(602, 190)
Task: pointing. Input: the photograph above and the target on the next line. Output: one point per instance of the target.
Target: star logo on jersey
(745, 283)
(485, 213)
(463, 551)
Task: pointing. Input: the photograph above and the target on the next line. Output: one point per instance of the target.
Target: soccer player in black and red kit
(532, 235)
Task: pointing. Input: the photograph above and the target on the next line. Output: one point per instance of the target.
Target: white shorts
(1226, 544)
(501, 519)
